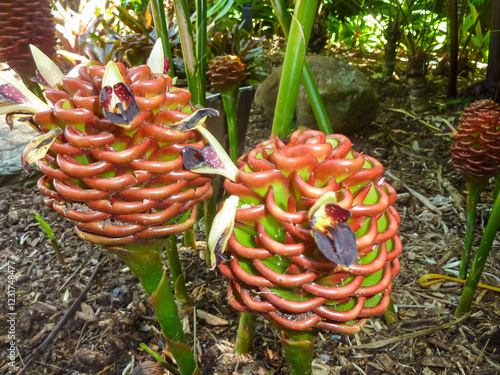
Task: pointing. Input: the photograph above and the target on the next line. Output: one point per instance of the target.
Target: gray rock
(350, 100)
(12, 144)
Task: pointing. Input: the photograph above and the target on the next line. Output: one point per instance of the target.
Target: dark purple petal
(125, 110)
(105, 98)
(211, 157)
(219, 256)
(192, 158)
(166, 65)
(124, 94)
(336, 214)
(192, 120)
(38, 78)
(338, 244)
(9, 94)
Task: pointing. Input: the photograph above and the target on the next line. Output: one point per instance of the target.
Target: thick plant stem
(300, 31)
(229, 102)
(497, 187)
(474, 189)
(57, 250)
(144, 260)
(246, 333)
(158, 14)
(190, 238)
(187, 44)
(307, 77)
(210, 210)
(479, 262)
(201, 47)
(176, 273)
(299, 348)
(166, 311)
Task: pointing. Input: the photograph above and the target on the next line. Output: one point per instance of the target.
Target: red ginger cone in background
(476, 151)
(226, 73)
(25, 22)
(121, 184)
(273, 260)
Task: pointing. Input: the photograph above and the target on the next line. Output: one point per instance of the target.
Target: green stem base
(299, 346)
(178, 280)
(144, 260)
(476, 270)
(474, 189)
(246, 333)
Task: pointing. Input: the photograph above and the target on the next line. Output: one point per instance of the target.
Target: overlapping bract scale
(25, 22)
(276, 267)
(121, 184)
(476, 151)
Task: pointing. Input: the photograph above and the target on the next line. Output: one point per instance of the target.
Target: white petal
(222, 227)
(156, 60)
(47, 68)
(327, 198)
(230, 170)
(33, 104)
(111, 77)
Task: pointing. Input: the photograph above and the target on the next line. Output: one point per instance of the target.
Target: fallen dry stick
(416, 194)
(45, 344)
(392, 340)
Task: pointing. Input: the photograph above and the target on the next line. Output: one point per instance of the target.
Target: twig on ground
(37, 353)
(382, 343)
(416, 194)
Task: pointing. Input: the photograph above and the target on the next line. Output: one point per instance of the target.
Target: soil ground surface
(104, 335)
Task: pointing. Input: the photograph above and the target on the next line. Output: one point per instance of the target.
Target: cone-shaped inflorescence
(226, 73)
(25, 22)
(315, 241)
(116, 170)
(476, 151)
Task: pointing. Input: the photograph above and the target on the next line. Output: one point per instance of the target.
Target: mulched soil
(116, 316)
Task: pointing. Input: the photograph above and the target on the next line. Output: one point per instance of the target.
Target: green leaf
(227, 6)
(45, 226)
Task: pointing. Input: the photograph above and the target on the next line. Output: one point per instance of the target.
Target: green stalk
(187, 45)
(158, 14)
(299, 348)
(144, 260)
(166, 311)
(246, 333)
(307, 76)
(201, 48)
(497, 187)
(57, 250)
(229, 102)
(210, 210)
(176, 273)
(474, 189)
(479, 262)
(190, 238)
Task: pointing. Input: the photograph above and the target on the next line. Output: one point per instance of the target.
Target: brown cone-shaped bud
(226, 73)
(25, 22)
(121, 182)
(476, 151)
(274, 258)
